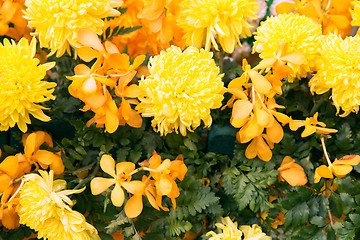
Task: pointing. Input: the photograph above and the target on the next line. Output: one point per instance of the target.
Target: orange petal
(133, 91)
(261, 84)
(294, 176)
(262, 117)
(266, 63)
(286, 163)
(340, 21)
(10, 218)
(285, 7)
(322, 171)
(111, 48)
(295, 124)
(82, 69)
(89, 38)
(135, 119)
(238, 123)
(341, 170)
(134, 187)
(163, 186)
(43, 156)
(107, 164)
(95, 100)
(57, 165)
(10, 166)
(111, 121)
(348, 159)
(275, 133)
(251, 151)
(134, 206)
(99, 184)
(125, 167)
(117, 196)
(242, 109)
(125, 109)
(138, 61)
(309, 129)
(87, 53)
(150, 196)
(264, 151)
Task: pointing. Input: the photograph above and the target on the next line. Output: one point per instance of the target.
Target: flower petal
(107, 164)
(117, 196)
(134, 206)
(99, 184)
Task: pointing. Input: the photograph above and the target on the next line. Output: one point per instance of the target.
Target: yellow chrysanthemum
(57, 22)
(339, 70)
(229, 228)
(45, 207)
(355, 13)
(227, 19)
(21, 84)
(292, 39)
(253, 233)
(181, 90)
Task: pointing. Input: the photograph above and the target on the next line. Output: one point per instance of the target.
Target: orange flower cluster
(158, 21)
(254, 110)
(333, 15)
(12, 168)
(111, 71)
(11, 12)
(160, 182)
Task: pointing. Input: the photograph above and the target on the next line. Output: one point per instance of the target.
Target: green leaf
(355, 218)
(318, 221)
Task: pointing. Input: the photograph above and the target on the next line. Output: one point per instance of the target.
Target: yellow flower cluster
(203, 19)
(22, 86)
(46, 208)
(289, 39)
(181, 89)
(230, 230)
(57, 22)
(339, 71)
(160, 182)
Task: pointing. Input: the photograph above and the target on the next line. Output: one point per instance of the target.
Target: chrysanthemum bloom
(203, 19)
(355, 13)
(57, 22)
(339, 71)
(289, 39)
(253, 232)
(45, 207)
(21, 84)
(181, 90)
(229, 228)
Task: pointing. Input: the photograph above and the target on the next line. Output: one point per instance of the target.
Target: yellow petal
(294, 176)
(341, 170)
(348, 159)
(262, 117)
(297, 58)
(309, 129)
(135, 119)
(107, 164)
(117, 196)
(99, 184)
(251, 151)
(133, 91)
(111, 121)
(57, 165)
(264, 151)
(238, 123)
(284, 7)
(134, 206)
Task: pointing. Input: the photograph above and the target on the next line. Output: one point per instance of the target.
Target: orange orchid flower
(340, 168)
(292, 172)
(310, 126)
(44, 158)
(121, 179)
(259, 147)
(8, 215)
(164, 173)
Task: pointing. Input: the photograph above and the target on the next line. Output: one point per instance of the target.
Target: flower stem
(325, 152)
